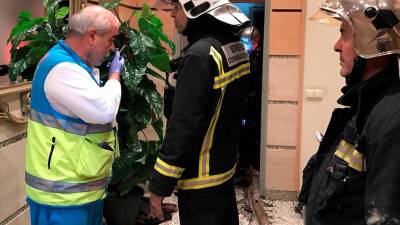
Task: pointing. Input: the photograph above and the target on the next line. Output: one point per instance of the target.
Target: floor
(277, 212)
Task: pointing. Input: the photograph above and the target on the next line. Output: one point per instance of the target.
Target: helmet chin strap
(352, 80)
(355, 75)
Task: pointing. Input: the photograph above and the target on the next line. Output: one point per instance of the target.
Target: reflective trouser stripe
(168, 170)
(349, 154)
(207, 181)
(64, 187)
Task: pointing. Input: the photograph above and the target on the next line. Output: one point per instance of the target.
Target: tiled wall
(285, 30)
(13, 209)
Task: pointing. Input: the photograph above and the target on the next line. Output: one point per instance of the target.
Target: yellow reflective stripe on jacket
(348, 153)
(230, 76)
(168, 170)
(218, 59)
(206, 181)
(224, 78)
(204, 161)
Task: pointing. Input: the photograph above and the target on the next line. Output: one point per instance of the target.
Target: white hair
(92, 16)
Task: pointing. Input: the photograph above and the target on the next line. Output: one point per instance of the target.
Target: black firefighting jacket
(199, 152)
(354, 178)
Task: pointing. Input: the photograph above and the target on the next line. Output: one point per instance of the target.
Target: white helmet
(375, 23)
(222, 10)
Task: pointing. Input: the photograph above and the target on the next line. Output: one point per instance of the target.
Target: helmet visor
(326, 17)
(229, 14)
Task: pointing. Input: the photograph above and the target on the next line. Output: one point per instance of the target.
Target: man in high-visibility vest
(71, 141)
(199, 153)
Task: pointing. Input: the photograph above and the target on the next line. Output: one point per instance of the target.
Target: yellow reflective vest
(68, 161)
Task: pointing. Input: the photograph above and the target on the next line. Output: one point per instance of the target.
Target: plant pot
(123, 210)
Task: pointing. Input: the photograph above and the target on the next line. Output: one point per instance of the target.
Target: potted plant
(141, 105)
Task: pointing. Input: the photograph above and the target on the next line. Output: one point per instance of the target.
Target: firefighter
(354, 176)
(198, 156)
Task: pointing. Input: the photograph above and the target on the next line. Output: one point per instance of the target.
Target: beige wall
(13, 209)
(321, 71)
(12, 156)
(284, 65)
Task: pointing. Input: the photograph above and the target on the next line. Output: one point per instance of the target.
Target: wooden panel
(280, 170)
(12, 173)
(282, 124)
(286, 4)
(283, 78)
(285, 32)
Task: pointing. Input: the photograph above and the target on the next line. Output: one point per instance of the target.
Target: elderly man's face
(179, 16)
(346, 50)
(104, 43)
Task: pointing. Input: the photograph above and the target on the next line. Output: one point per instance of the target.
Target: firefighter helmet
(222, 10)
(375, 23)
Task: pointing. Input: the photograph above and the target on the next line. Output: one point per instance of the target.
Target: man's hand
(117, 64)
(156, 206)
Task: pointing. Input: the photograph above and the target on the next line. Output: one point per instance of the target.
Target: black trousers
(218, 209)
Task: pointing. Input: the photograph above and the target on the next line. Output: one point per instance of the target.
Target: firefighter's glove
(117, 64)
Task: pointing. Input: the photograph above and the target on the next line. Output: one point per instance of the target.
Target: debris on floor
(278, 212)
(281, 213)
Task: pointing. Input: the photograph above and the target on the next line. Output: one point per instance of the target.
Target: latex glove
(117, 64)
(156, 206)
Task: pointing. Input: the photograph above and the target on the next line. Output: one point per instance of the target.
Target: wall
(281, 116)
(321, 71)
(13, 209)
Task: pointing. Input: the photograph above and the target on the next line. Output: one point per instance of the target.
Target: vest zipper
(53, 143)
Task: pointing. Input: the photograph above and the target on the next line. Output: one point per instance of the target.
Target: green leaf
(39, 49)
(146, 11)
(155, 74)
(50, 4)
(133, 74)
(24, 16)
(147, 42)
(159, 59)
(62, 13)
(16, 67)
(110, 5)
(142, 113)
(147, 89)
(152, 27)
(24, 27)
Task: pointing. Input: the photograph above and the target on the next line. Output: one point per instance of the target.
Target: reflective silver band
(68, 126)
(64, 187)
